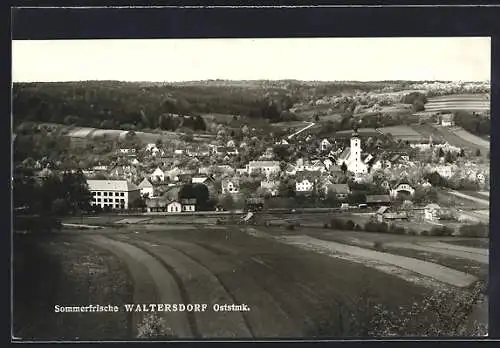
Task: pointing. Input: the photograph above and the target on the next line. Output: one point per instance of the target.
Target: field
(405, 133)
(297, 283)
(455, 102)
(453, 137)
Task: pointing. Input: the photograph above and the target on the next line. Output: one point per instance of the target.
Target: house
(135, 162)
(152, 148)
(445, 171)
(254, 204)
(304, 185)
(268, 154)
(270, 186)
(174, 206)
(432, 212)
(157, 175)
(156, 204)
(402, 187)
(265, 167)
(146, 188)
(113, 194)
(188, 204)
(230, 186)
(379, 215)
(378, 200)
(342, 191)
(447, 120)
(127, 151)
(282, 142)
(306, 181)
(324, 145)
(173, 174)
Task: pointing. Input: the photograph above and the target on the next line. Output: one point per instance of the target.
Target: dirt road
(446, 249)
(398, 265)
(470, 198)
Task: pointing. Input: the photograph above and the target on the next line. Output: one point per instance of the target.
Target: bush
(424, 233)
(378, 245)
(349, 225)
(383, 227)
(372, 226)
(337, 224)
(290, 227)
(441, 231)
(358, 227)
(325, 225)
(153, 326)
(474, 230)
(412, 232)
(218, 222)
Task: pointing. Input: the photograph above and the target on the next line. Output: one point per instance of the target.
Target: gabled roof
(188, 201)
(264, 163)
(111, 185)
(145, 183)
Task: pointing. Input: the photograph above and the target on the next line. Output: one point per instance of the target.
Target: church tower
(355, 149)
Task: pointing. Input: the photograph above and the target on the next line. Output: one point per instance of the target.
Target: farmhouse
(146, 188)
(114, 194)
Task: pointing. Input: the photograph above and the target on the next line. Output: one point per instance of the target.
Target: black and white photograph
(250, 189)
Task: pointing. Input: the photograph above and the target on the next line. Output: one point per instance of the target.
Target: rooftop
(111, 185)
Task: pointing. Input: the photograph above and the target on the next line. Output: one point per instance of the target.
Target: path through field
(407, 268)
(470, 198)
(479, 255)
(311, 124)
(471, 138)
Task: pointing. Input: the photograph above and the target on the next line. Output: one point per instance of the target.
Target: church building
(351, 156)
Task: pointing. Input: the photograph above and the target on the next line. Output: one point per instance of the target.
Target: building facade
(113, 194)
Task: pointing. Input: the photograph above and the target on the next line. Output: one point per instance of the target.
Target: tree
(227, 202)
(343, 167)
(478, 152)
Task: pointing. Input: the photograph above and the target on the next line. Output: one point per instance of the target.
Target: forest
(111, 105)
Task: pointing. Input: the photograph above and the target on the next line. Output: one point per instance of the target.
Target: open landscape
(231, 206)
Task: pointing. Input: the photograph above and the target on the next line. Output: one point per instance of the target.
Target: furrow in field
(148, 275)
(265, 308)
(202, 288)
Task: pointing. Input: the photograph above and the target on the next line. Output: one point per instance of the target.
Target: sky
(309, 59)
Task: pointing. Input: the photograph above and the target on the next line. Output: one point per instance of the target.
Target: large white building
(113, 194)
(264, 167)
(352, 157)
